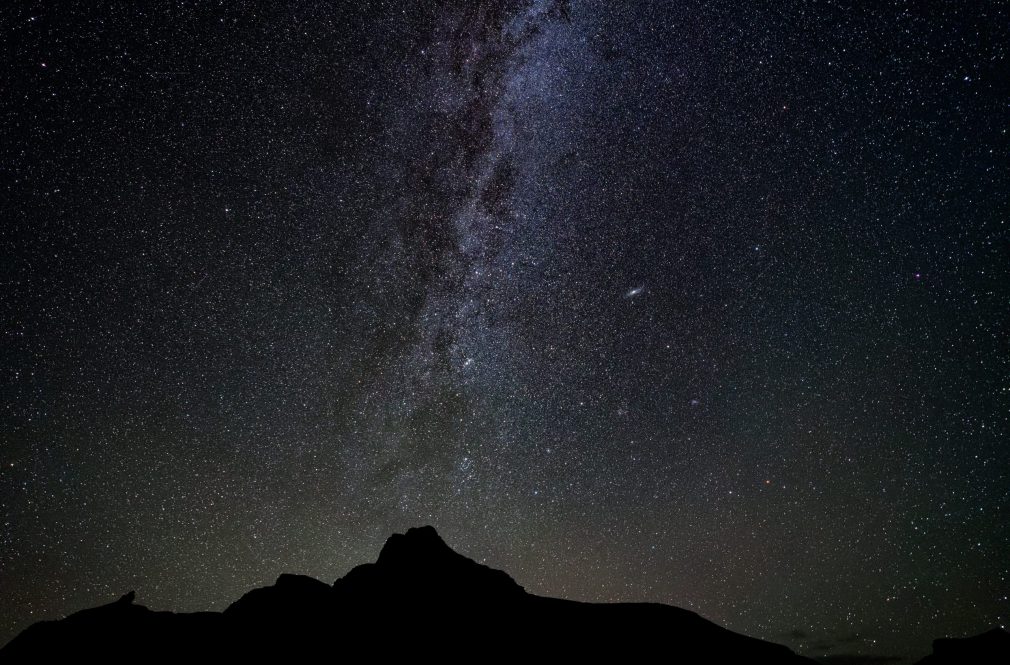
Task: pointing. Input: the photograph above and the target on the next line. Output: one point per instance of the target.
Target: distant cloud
(812, 646)
(854, 659)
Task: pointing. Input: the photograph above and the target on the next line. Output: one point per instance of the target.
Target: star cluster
(703, 303)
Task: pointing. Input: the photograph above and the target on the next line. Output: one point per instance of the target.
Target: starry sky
(695, 302)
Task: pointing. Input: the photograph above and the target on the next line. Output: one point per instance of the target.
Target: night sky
(697, 302)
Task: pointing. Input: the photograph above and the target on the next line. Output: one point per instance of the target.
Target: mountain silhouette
(989, 648)
(420, 598)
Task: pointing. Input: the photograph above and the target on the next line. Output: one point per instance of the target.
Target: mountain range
(419, 599)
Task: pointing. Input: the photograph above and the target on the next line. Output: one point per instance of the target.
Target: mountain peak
(420, 560)
(420, 545)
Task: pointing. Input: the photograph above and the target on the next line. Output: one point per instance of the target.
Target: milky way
(453, 237)
(702, 303)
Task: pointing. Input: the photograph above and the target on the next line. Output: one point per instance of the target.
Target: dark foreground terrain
(420, 599)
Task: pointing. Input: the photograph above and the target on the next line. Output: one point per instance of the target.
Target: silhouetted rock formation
(420, 598)
(989, 648)
(418, 566)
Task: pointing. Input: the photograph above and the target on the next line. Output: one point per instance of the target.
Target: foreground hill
(419, 599)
